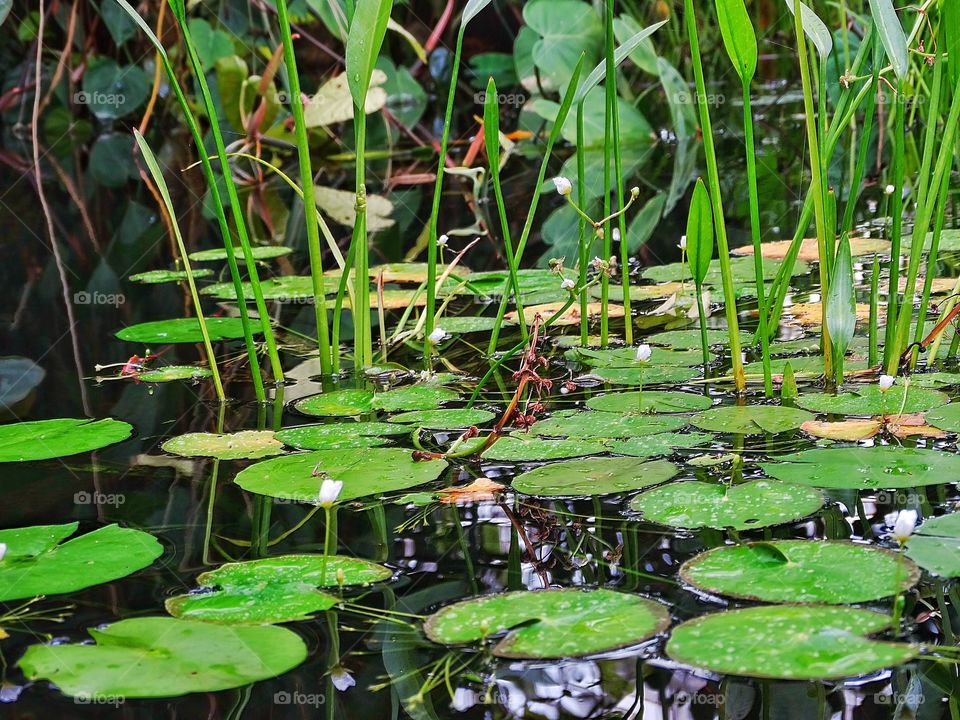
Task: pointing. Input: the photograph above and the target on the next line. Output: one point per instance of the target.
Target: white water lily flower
(342, 679)
(329, 492)
(644, 352)
(567, 284)
(904, 526)
(443, 240)
(564, 186)
(683, 242)
(3, 550)
(437, 335)
(886, 382)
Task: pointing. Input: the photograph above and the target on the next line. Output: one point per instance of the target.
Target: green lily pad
(946, 417)
(638, 293)
(373, 472)
(36, 563)
(528, 448)
(594, 425)
(338, 403)
(593, 476)
(183, 330)
(751, 419)
(260, 252)
(935, 379)
(285, 288)
(531, 282)
(646, 376)
(742, 268)
(801, 571)
(936, 546)
(247, 444)
(651, 401)
(871, 400)
(789, 642)
(693, 505)
(550, 623)
(446, 419)
(414, 397)
(164, 657)
(333, 436)
(272, 590)
(690, 339)
(170, 373)
(627, 358)
(858, 468)
(155, 277)
(463, 324)
(659, 444)
(45, 439)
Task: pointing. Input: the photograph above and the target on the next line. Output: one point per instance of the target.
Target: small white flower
(886, 382)
(644, 352)
(634, 191)
(615, 235)
(564, 390)
(889, 189)
(329, 492)
(443, 240)
(903, 527)
(342, 679)
(3, 550)
(567, 284)
(683, 242)
(564, 186)
(437, 335)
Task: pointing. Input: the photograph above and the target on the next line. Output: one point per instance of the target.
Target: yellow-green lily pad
(246, 444)
(587, 477)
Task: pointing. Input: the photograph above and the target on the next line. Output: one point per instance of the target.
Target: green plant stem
(306, 181)
(362, 335)
(856, 179)
(874, 331)
(890, 355)
(583, 244)
(713, 178)
(931, 271)
(704, 344)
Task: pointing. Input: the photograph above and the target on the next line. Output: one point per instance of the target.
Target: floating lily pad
(444, 419)
(260, 252)
(339, 403)
(594, 425)
(693, 505)
(946, 417)
(789, 642)
(286, 288)
(594, 476)
(164, 657)
(871, 400)
(372, 472)
(809, 249)
(640, 293)
(569, 316)
(651, 401)
(550, 623)
(690, 339)
(36, 563)
(936, 545)
(247, 444)
(531, 282)
(155, 277)
(935, 379)
(627, 358)
(528, 448)
(858, 468)
(414, 397)
(272, 590)
(659, 444)
(646, 376)
(751, 419)
(463, 324)
(743, 270)
(801, 571)
(333, 436)
(170, 373)
(183, 330)
(45, 439)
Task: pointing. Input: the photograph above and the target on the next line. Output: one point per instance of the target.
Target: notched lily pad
(650, 401)
(946, 417)
(45, 439)
(593, 425)
(338, 403)
(414, 397)
(522, 447)
(444, 419)
(183, 330)
(333, 436)
(789, 642)
(594, 476)
(751, 419)
(660, 444)
(246, 444)
(936, 545)
(550, 623)
(871, 400)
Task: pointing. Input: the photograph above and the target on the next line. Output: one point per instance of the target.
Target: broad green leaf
(182, 330)
(567, 30)
(211, 43)
(45, 439)
(588, 477)
(815, 571)
(164, 657)
(936, 545)
(789, 642)
(246, 444)
(590, 425)
(368, 27)
(871, 400)
(894, 41)
(842, 299)
(472, 9)
(36, 564)
(644, 55)
(739, 38)
(627, 358)
(550, 623)
(111, 91)
(815, 29)
(742, 269)
(700, 233)
(650, 401)
(751, 419)
(599, 73)
(946, 417)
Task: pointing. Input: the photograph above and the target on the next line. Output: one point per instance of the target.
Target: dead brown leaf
(479, 490)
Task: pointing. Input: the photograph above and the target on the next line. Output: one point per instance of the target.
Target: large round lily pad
(550, 623)
(801, 571)
(936, 545)
(650, 401)
(444, 419)
(627, 358)
(272, 590)
(183, 330)
(649, 446)
(333, 436)
(523, 447)
(871, 400)
(164, 657)
(594, 476)
(170, 373)
(751, 419)
(246, 444)
(690, 339)
(371, 472)
(590, 425)
(414, 397)
(789, 642)
(873, 468)
(338, 403)
(653, 375)
(946, 417)
(755, 504)
(36, 563)
(45, 439)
